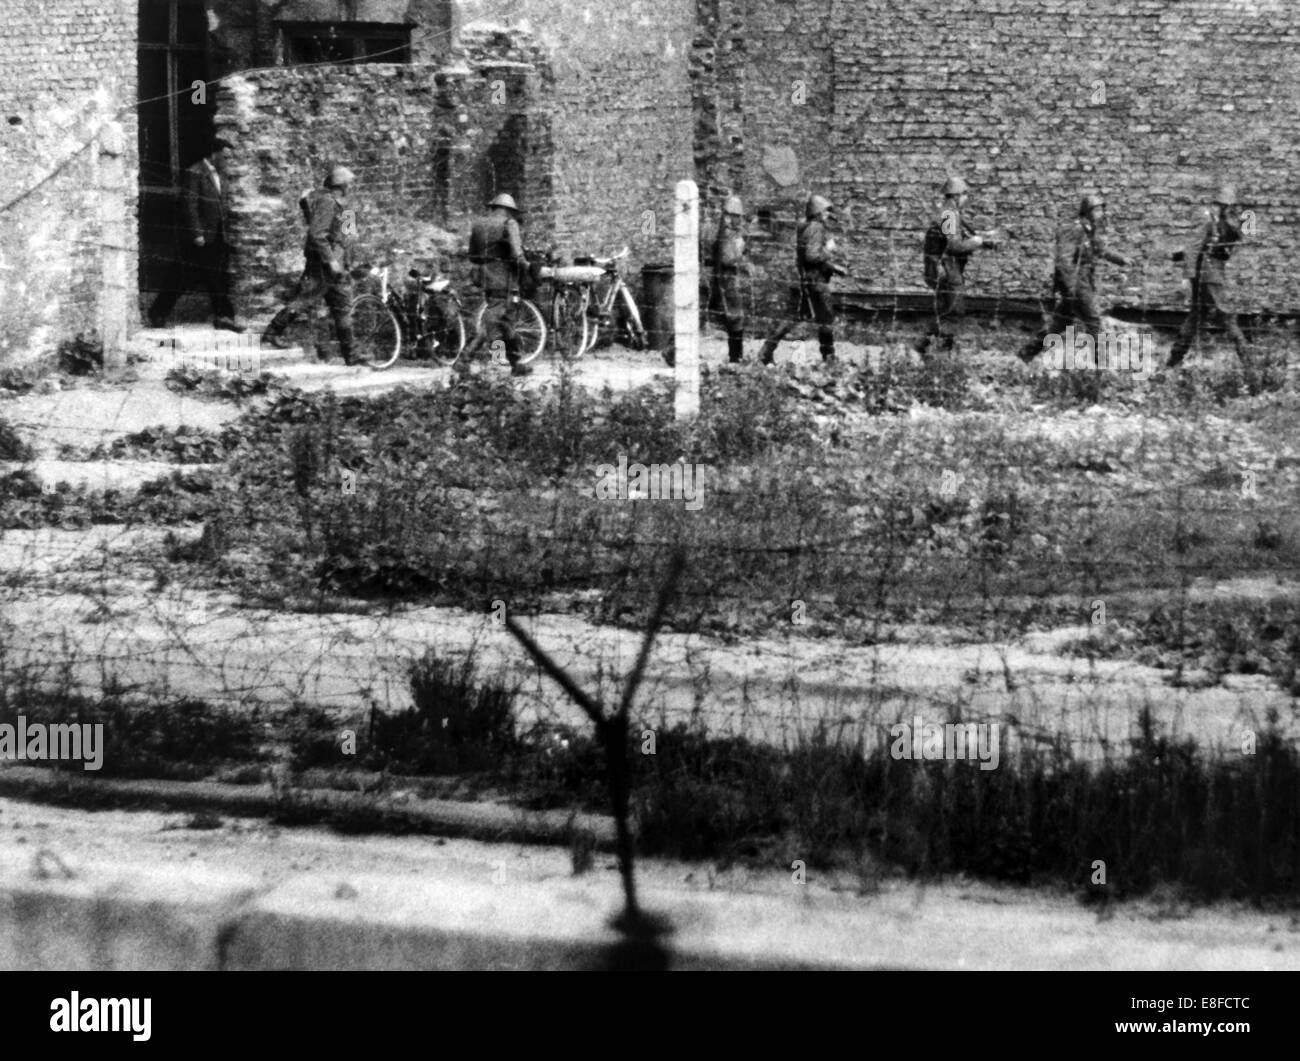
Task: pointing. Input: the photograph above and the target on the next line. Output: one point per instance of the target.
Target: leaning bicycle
(427, 324)
(570, 317)
(611, 305)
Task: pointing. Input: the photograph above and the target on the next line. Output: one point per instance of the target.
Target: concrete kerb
(396, 813)
(106, 917)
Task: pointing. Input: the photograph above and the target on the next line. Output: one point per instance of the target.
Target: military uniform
(729, 264)
(331, 235)
(496, 249)
(1079, 246)
(813, 247)
(1205, 265)
(960, 241)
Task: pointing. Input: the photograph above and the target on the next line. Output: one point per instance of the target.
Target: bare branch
(666, 593)
(543, 659)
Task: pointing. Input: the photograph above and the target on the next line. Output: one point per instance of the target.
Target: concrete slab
(147, 892)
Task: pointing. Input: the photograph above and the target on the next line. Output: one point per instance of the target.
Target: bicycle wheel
(636, 336)
(569, 320)
(376, 332)
(443, 325)
(528, 324)
(602, 296)
(530, 330)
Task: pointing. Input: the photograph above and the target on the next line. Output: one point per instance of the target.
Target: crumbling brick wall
(873, 103)
(426, 143)
(65, 67)
(588, 124)
(620, 129)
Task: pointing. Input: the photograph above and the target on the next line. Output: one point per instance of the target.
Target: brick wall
(428, 144)
(1031, 100)
(65, 66)
(620, 130)
(244, 32)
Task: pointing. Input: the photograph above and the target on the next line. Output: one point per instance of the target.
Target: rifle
(839, 270)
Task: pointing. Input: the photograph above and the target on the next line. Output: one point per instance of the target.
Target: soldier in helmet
(331, 233)
(496, 249)
(814, 247)
(950, 242)
(729, 265)
(1079, 244)
(1205, 263)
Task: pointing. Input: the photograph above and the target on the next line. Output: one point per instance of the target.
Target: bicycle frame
(607, 293)
(413, 314)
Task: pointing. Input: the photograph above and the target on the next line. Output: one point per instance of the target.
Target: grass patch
(1218, 637)
(1160, 812)
(459, 723)
(181, 739)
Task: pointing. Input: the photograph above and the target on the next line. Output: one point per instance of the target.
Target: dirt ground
(90, 601)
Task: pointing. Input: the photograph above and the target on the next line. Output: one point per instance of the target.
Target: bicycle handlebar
(613, 258)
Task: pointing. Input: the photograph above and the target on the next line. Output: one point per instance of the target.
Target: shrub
(458, 722)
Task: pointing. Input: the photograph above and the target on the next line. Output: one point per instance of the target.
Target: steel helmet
(955, 186)
(1227, 196)
(817, 204)
(1090, 201)
(340, 177)
(733, 205)
(508, 201)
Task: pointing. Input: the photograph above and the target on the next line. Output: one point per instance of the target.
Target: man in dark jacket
(729, 265)
(331, 233)
(1079, 245)
(814, 247)
(497, 251)
(1205, 263)
(204, 257)
(959, 241)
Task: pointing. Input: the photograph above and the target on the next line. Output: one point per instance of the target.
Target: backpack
(932, 253)
(478, 244)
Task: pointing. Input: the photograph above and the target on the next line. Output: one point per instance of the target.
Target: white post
(112, 249)
(686, 301)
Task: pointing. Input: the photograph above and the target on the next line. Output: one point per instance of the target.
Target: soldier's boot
(1177, 353)
(274, 334)
(517, 367)
(767, 355)
(826, 343)
(735, 348)
(1031, 349)
(922, 345)
(346, 346)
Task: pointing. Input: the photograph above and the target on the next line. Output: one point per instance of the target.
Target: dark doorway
(176, 121)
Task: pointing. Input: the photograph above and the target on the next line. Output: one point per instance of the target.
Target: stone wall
(873, 103)
(619, 123)
(65, 67)
(428, 146)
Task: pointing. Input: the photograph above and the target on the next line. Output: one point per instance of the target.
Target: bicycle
(428, 323)
(570, 303)
(610, 304)
(523, 318)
